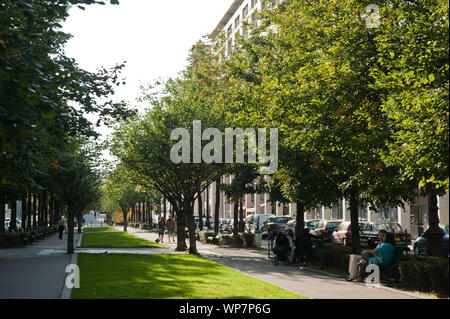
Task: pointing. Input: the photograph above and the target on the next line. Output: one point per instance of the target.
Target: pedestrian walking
(171, 225)
(161, 228)
(61, 227)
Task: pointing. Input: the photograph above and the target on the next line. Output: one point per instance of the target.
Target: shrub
(249, 240)
(12, 239)
(204, 236)
(226, 240)
(424, 273)
(238, 241)
(333, 256)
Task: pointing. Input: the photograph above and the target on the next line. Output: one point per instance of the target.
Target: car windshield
(312, 223)
(280, 219)
(333, 225)
(391, 227)
(445, 229)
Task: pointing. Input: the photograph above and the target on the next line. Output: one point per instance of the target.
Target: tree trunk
(29, 211)
(300, 218)
(144, 212)
(40, 218)
(191, 227)
(52, 210)
(80, 221)
(181, 231)
(45, 210)
(70, 229)
(23, 216)
(150, 216)
(208, 222)
(34, 211)
(241, 217)
(354, 196)
(217, 208)
(13, 222)
(200, 211)
(165, 208)
(434, 233)
(2, 214)
(125, 220)
(236, 218)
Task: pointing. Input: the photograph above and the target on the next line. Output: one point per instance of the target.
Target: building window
(237, 22)
(263, 5)
(245, 12)
(362, 213)
(253, 2)
(285, 210)
(337, 212)
(318, 212)
(230, 30)
(388, 213)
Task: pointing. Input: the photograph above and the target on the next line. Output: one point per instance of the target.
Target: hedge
(242, 240)
(204, 235)
(425, 273)
(421, 273)
(21, 238)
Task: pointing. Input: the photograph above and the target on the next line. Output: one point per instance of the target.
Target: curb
(66, 292)
(321, 272)
(411, 294)
(78, 245)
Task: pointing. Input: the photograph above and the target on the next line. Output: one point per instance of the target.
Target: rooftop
(234, 6)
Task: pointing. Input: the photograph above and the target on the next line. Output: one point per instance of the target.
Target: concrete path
(254, 262)
(37, 271)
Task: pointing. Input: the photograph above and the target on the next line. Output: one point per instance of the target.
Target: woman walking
(161, 228)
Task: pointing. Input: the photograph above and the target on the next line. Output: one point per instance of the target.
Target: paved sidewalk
(37, 271)
(254, 262)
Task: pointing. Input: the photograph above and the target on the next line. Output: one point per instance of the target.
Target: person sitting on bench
(383, 254)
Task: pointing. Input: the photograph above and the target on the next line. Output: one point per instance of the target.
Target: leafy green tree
(122, 191)
(413, 46)
(144, 146)
(309, 74)
(76, 182)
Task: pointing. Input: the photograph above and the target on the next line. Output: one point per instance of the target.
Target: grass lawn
(132, 276)
(106, 228)
(116, 240)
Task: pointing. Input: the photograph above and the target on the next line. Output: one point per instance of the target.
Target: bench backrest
(397, 258)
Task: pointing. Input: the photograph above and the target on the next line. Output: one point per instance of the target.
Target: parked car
(228, 226)
(211, 222)
(223, 222)
(256, 221)
(369, 234)
(311, 223)
(274, 225)
(289, 227)
(420, 245)
(343, 234)
(324, 229)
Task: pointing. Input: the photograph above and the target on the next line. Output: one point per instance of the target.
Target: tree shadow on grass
(125, 276)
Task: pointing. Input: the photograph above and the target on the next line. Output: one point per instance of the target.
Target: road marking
(46, 252)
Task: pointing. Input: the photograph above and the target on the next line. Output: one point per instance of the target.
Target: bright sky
(153, 36)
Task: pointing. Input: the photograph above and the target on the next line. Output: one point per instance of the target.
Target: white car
(256, 221)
